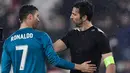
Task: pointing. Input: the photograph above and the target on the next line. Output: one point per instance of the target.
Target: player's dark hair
(85, 8)
(25, 10)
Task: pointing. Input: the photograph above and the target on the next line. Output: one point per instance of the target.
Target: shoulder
(98, 31)
(40, 33)
(73, 31)
(7, 41)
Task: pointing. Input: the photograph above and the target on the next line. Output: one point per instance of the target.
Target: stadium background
(112, 16)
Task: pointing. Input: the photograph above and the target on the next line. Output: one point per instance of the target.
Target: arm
(62, 43)
(5, 61)
(51, 55)
(109, 62)
(104, 47)
(59, 45)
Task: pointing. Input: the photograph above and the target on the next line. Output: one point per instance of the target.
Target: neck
(25, 25)
(85, 25)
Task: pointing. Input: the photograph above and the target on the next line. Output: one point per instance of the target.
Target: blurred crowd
(112, 16)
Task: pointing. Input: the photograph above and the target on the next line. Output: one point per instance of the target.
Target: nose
(38, 19)
(71, 16)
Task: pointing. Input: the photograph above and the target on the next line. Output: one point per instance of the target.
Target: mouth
(72, 21)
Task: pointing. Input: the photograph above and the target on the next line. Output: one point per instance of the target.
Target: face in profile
(75, 17)
(35, 19)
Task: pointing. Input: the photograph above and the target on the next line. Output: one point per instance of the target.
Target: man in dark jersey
(86, 42)
(26, 49)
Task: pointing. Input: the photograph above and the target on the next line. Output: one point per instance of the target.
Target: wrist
(77, 67)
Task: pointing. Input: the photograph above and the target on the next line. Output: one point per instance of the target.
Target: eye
(74, 14)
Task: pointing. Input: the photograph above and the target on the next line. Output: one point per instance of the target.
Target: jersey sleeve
(5, 60)
(65, 39)
(103, 43)
(51, 55)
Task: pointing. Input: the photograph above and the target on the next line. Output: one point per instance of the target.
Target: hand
(86, 67)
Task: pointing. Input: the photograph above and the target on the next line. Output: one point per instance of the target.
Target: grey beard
(78, 25)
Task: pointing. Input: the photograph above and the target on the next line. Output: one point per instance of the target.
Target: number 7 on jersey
(24, 55)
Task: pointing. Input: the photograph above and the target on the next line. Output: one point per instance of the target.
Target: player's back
(26, 51)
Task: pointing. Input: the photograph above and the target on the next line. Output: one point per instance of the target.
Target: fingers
(87, 67)
(92, 65)
(90, 68)
(87, 71)
(93, 69)
(88, 61)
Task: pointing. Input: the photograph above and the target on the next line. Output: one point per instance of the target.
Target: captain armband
(109, 60)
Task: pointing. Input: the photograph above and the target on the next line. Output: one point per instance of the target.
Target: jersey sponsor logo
(22, 36)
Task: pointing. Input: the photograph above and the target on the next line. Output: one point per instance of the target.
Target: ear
(29, 16)
(84, 18)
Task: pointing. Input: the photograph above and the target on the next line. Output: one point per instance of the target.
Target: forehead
(75, 10)
(36, 13)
